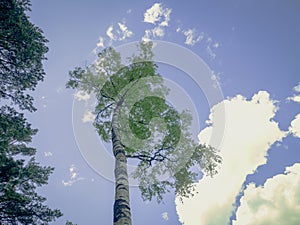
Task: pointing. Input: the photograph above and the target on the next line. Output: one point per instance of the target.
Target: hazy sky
(252, 49)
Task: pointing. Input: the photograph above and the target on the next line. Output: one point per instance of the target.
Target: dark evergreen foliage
(22, 49)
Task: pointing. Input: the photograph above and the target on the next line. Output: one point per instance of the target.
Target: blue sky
(253, 50)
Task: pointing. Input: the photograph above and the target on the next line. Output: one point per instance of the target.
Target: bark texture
(122, 214)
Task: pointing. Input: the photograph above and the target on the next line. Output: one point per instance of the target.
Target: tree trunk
(122, 214)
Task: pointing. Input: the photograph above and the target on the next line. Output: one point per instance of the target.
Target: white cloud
(88, 117)
(191, 36)
(295, 126)
(165, 216)
(297, 88)
(158, 32)
(153, 33)
(216, 78)
(157, 14)
(152, 15)
(120, 34)
(295, 97)
(216, 45)
(129, 11)
(100, 44)
(210, 52)
(48, 154)
(74, 177)
(125, 33)
(109, 33)
(167, 13)
(147, 36)
(277, 202)
(211, 46)
(249, 133)
(278, 144)
(82, 96)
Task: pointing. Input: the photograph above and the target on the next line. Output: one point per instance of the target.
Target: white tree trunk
(122, 214)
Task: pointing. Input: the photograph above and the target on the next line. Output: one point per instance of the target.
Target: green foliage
(22, 49)
(15, 133)
(151, 107)
(20, 175)
(152, 131)
(109, 81)
(174, 165)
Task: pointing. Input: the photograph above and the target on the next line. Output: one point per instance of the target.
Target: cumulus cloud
(153, 14)
(82, 96)
(295, 126)
(295, 97)
(249, 133)
(158, 15)
(74, 177)
(88, 117)
(165, 216)
(276, 202)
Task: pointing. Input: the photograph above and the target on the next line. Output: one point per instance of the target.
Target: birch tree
(132, 112)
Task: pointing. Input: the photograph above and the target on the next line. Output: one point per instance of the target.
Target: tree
(22, 49)
(132, 112)
(20, 174)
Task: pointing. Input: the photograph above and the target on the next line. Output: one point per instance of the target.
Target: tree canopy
(22, 49)
(20, 174)
(152, 131)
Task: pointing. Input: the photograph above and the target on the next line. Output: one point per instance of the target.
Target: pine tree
(22, 50)
(20, 174)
